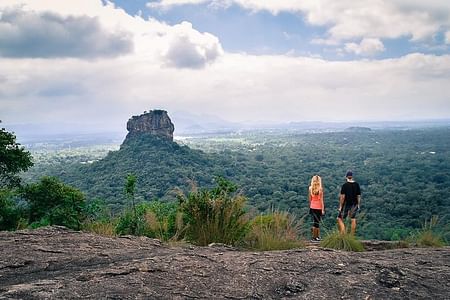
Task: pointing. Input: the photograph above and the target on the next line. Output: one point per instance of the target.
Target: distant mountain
(189, 123)
(148, 152)
(159, 165)
(358, 129)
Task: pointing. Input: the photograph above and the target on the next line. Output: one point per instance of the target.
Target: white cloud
(175, 46)
(236, 87)
(30, 34)
(170, 3)
(328, 42)
(349, 19)
(367, 47)
(447, 37)
(188, 48)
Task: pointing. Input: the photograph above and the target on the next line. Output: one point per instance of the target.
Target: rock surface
(156, 122)
(57, 263)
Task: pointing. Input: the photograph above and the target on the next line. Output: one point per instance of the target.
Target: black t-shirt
(351, 191)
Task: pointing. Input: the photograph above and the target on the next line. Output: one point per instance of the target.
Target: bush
(127, 224)
(338, 241)
(10, 213)
(156, 219)
(163, 220)
(216, 215)
(99, 219)
(51, 202)
(274, 231)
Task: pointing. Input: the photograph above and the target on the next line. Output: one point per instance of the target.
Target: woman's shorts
(350, 210)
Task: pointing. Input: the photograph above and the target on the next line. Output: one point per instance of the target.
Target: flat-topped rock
(155, 122)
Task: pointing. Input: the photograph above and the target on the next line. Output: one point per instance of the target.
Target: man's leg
(341, 225)
(353, 229)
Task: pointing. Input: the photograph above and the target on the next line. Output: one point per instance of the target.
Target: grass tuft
(428, 236)
(215, 216)
(274, 231)
(338, 241)
(105, 228)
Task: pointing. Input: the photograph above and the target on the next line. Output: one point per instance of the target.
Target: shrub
(338, 241)
(274, 231)
(97, 210)
(127, 224)
(51, 202)
(10, 213)
(155, 219)
(163, 220)
(215, 215)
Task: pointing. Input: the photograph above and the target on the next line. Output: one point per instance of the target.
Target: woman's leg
(316, 221)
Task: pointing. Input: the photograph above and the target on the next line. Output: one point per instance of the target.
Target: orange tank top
(315, 201)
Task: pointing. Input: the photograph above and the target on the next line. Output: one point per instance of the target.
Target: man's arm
(359, 196)
(341, 201)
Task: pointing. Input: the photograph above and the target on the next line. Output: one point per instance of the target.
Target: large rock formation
(56, 263)
(156, 122)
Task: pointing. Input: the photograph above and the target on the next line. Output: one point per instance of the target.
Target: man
(349, 203)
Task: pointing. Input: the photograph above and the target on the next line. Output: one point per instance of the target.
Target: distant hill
(358, 129)
(160, 166)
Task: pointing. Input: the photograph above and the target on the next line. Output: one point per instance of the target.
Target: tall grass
(428, 235)
(163, 227)
(274, 231)
(155, 219)
(217, 215)
(105, 228)
(338, 241)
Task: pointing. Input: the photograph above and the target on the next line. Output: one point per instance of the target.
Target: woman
(316, 205)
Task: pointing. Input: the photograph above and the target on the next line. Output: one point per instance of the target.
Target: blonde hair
(316, 185)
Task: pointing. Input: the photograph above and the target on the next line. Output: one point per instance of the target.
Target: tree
(130, 187)
(52, 202)
(10, 213)
(13, 160)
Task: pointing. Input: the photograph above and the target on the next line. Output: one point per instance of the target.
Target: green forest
(403, 174)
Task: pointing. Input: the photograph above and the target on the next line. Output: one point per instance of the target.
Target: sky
(93, 64)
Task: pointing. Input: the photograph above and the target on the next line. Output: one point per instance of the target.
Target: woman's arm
(322, 202)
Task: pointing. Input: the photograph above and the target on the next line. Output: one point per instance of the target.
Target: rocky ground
(56, 263)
